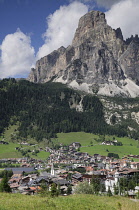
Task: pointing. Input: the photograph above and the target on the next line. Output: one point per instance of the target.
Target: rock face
(98, 61)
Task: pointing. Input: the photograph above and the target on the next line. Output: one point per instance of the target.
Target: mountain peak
(98, 60)
(90, 22)
(92, 19)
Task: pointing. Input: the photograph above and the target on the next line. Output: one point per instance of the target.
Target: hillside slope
(42, 110)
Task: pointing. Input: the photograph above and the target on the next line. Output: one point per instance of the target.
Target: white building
(111, 182)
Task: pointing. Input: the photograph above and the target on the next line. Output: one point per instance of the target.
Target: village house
(134, 165)
(111, 181)
(107, 143)
(75, 145)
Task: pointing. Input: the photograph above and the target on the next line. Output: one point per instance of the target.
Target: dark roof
(61, 182)
(21, 170)
(77, 176)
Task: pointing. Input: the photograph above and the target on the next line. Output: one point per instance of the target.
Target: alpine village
(69, 133)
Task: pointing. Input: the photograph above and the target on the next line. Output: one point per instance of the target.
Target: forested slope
(42, 110)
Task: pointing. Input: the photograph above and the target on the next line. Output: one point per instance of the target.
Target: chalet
(89, 169)
(86, 178)
(114, 165)
(61, 182)
(107, 143)
(133, 156)
(16, 178)
(111, 182)
(14, 187)
(76, 178)
(128, 172)
(76, 145)
(134, 165)
(25, 180)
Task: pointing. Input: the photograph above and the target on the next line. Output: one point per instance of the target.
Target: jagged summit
(98, 61)
(87, 24)
(132, 38)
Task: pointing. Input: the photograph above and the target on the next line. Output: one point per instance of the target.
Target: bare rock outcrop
(98, 61)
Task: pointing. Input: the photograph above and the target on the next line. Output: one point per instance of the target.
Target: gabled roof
(77, 176)
(61, 182)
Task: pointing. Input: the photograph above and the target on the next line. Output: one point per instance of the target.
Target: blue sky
(30, 29)
(30, 16)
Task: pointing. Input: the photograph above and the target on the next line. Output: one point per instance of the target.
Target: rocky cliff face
(98, 60)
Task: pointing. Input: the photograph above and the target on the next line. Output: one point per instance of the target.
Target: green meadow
(130, 146)
(82, 137)
(104, 150)
(8, 151)
(74, 202)
(43, 155)
(88, 142)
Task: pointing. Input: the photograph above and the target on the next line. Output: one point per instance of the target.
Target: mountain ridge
(99, 61)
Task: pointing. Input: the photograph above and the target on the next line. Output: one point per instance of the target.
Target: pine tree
(4, 186)
(95, 182)
(54, 191)
(69, 190)
(109, 193)
(116, 190)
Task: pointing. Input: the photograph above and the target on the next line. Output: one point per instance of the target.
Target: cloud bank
(61, 27)
(17, 55)
(125, 15)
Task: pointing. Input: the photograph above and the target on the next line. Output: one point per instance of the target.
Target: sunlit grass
(74, 202)
(8, 151)
(43, 155)
(130, 146)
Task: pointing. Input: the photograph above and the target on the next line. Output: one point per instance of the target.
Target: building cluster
(76, 167)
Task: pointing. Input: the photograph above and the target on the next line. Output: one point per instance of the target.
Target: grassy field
(130, 146)
(43, 155)
(82, 137)
(8, 151)
(104, 150)
(74, 202)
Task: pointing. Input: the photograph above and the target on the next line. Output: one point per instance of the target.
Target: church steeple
(52, 170)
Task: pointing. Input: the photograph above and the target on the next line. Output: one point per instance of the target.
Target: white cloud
(61, 27)
(125, 15)
(17, 55)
